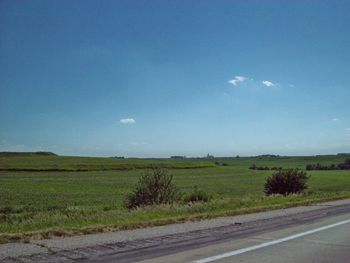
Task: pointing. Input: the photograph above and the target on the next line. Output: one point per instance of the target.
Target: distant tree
(178, 157)
(340, 166)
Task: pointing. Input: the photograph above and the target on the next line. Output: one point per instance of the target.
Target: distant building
(210, 156)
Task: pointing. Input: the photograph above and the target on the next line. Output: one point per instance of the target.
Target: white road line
(267, 244)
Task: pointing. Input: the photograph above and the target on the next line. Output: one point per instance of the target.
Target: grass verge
(65, 232)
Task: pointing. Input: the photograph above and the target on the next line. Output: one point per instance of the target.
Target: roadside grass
(35, 205)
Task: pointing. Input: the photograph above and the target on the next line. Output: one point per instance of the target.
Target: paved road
(324, 245)
(317, 233)
(315, 236)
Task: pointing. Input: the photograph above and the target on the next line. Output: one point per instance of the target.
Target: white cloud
(335, 119)
(127, 121)
(291, 85)
(237, 80)
(347, 129)
(268, 83)
(240, 78)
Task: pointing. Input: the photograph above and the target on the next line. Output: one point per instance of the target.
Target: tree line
(340, 166)
(264, 168)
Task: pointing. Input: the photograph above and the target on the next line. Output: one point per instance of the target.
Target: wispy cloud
(268, 83)
(237, 80)
(347, 129)
(252, 82)
(335, 119)
(127, 121)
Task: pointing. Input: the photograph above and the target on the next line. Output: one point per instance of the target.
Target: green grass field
(33, 162)
(85, 195)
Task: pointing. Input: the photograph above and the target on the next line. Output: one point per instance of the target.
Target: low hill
(14, 154)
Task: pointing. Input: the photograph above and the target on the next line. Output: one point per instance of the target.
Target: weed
(196, 196)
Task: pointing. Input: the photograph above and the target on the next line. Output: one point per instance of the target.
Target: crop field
(33, 162)
(43, 196)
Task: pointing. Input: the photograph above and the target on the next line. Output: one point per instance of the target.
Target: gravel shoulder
(67, 249)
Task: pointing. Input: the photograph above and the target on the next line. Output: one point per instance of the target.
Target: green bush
(154, 187)
(286, 182)
(196, 196)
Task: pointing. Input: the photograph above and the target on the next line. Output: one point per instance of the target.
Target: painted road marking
(267, 244)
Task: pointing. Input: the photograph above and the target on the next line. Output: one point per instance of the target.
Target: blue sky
(160, 78)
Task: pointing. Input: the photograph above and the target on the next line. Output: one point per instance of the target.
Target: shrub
(196, 196)
(222, 164)
(6, 210)
(340, 166)
(286, 182)
(263, 168)
(154, 187)
(253, 166)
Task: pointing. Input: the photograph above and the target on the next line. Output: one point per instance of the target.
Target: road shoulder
(70, 248)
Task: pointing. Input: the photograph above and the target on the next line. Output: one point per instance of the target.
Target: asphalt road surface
(317, 233)
(315, 236)
(323, 241)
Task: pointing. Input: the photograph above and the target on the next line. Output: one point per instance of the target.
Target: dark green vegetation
(41, 204)
(155, 187)
(254, 167)
(340, 166)
(285, 182)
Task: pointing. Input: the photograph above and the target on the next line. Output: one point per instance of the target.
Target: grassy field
(48, 203)
(35, 162)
